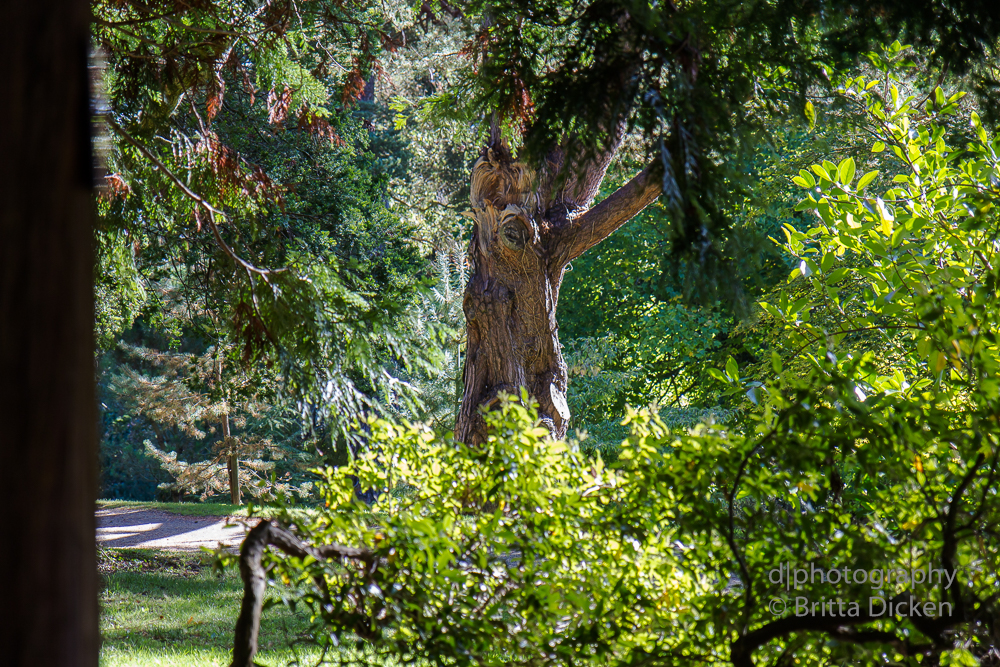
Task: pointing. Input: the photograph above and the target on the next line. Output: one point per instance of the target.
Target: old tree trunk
(529, 224)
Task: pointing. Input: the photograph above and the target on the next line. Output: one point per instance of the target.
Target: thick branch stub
(268, 533)
(593, 226)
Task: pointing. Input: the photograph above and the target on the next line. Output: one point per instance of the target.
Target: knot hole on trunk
(514, 234)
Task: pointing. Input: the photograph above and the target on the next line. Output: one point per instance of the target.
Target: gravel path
(155, 529)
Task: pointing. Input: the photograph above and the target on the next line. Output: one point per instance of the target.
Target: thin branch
(742, 649)
(950, 545)
(268, 533)
(117, 24)
(208, 31)
(844, 332)
(731, 533)
(198, 199)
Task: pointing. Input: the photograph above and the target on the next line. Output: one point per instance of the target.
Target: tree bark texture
(528, 226)
(232, 464)
(48, 443)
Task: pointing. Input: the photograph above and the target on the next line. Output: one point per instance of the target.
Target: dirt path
(155, 529)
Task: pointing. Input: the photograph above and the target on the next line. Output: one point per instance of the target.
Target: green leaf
(845, 171)
(878, 147)
(771, 310)
(837, 275)
(867, 179)
(810, 113)
(884, 213)
(732, 369)
(799, 305)
(959, 658)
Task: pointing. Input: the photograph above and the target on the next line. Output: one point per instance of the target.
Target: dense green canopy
(282, 250)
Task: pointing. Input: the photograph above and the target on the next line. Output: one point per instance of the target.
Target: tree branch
(950, 545)
(247, 267)
(195, 197)
(741, 650)
(593, 226)
(268, 533)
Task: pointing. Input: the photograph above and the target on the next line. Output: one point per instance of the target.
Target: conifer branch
(199, 200)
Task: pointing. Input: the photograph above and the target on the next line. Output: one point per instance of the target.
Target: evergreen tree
(245, 207)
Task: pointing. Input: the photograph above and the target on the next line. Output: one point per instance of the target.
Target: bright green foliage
(911, 268)
(640, 321)
(488, 554)
(526, 551)
(629, 333)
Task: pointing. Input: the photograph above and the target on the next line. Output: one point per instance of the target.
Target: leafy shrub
(850, 459)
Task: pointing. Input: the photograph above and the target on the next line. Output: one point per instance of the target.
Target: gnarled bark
(527, 228)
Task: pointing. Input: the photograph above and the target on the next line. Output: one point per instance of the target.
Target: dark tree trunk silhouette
(529, 224)
(48, 455)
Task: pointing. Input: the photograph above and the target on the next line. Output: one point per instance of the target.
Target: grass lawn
(198, 509)
(160, 608)
(190, 509)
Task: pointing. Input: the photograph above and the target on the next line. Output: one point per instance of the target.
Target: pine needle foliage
(438, 390)
(240, 167)
(183, 394)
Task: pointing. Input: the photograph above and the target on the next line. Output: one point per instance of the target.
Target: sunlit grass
(174, 610)
(199, 509)
(189, 509)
